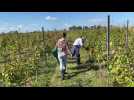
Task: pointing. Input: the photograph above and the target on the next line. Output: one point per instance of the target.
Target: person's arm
(81, 43)
(69, 50)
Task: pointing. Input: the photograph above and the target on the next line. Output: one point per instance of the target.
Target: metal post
(126, 42)
(108, 37)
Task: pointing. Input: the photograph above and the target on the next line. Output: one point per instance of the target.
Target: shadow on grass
(80, 83)
(76, 73)
(81, 69)
(85, 66)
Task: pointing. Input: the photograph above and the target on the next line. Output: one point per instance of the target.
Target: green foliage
(20, 60)
(21, 55)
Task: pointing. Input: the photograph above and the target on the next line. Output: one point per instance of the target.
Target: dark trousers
(76, 53)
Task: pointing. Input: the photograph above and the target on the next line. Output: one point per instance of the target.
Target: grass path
(84, 77)
(55, 80)
(89, 76)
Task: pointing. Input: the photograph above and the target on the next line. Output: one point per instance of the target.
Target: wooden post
(126, 42)
(83, 30)
(44, 45)
(99, 38)
(43, 36)
(19, 44)
(108, 37)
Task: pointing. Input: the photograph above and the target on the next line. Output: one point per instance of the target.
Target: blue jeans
(76, 52)
(62, 60)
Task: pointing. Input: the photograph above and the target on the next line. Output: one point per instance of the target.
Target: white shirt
(78, 42)
(61, 53)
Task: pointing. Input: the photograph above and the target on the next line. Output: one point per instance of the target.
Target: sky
(31, 21)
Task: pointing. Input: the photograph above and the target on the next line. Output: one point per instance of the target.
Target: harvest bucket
(55, 53)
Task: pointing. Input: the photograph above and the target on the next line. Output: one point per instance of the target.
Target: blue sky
(30, 21)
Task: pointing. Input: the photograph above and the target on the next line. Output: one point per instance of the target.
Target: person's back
(78, 42)
(62, 47)
(62, 54)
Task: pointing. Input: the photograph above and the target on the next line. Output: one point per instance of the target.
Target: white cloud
(11, 28)
(8, 28)
(67, 26)
(34, 24)
(15, 27)
(97, 21)
(50, 18)
(2, 29)
(19, 26)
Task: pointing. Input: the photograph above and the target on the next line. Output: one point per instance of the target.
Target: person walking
(63, 50)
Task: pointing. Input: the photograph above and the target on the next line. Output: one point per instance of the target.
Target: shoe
(62, 78)
(80, 63)
(62, 75)
(78, 66)
(65, 73)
